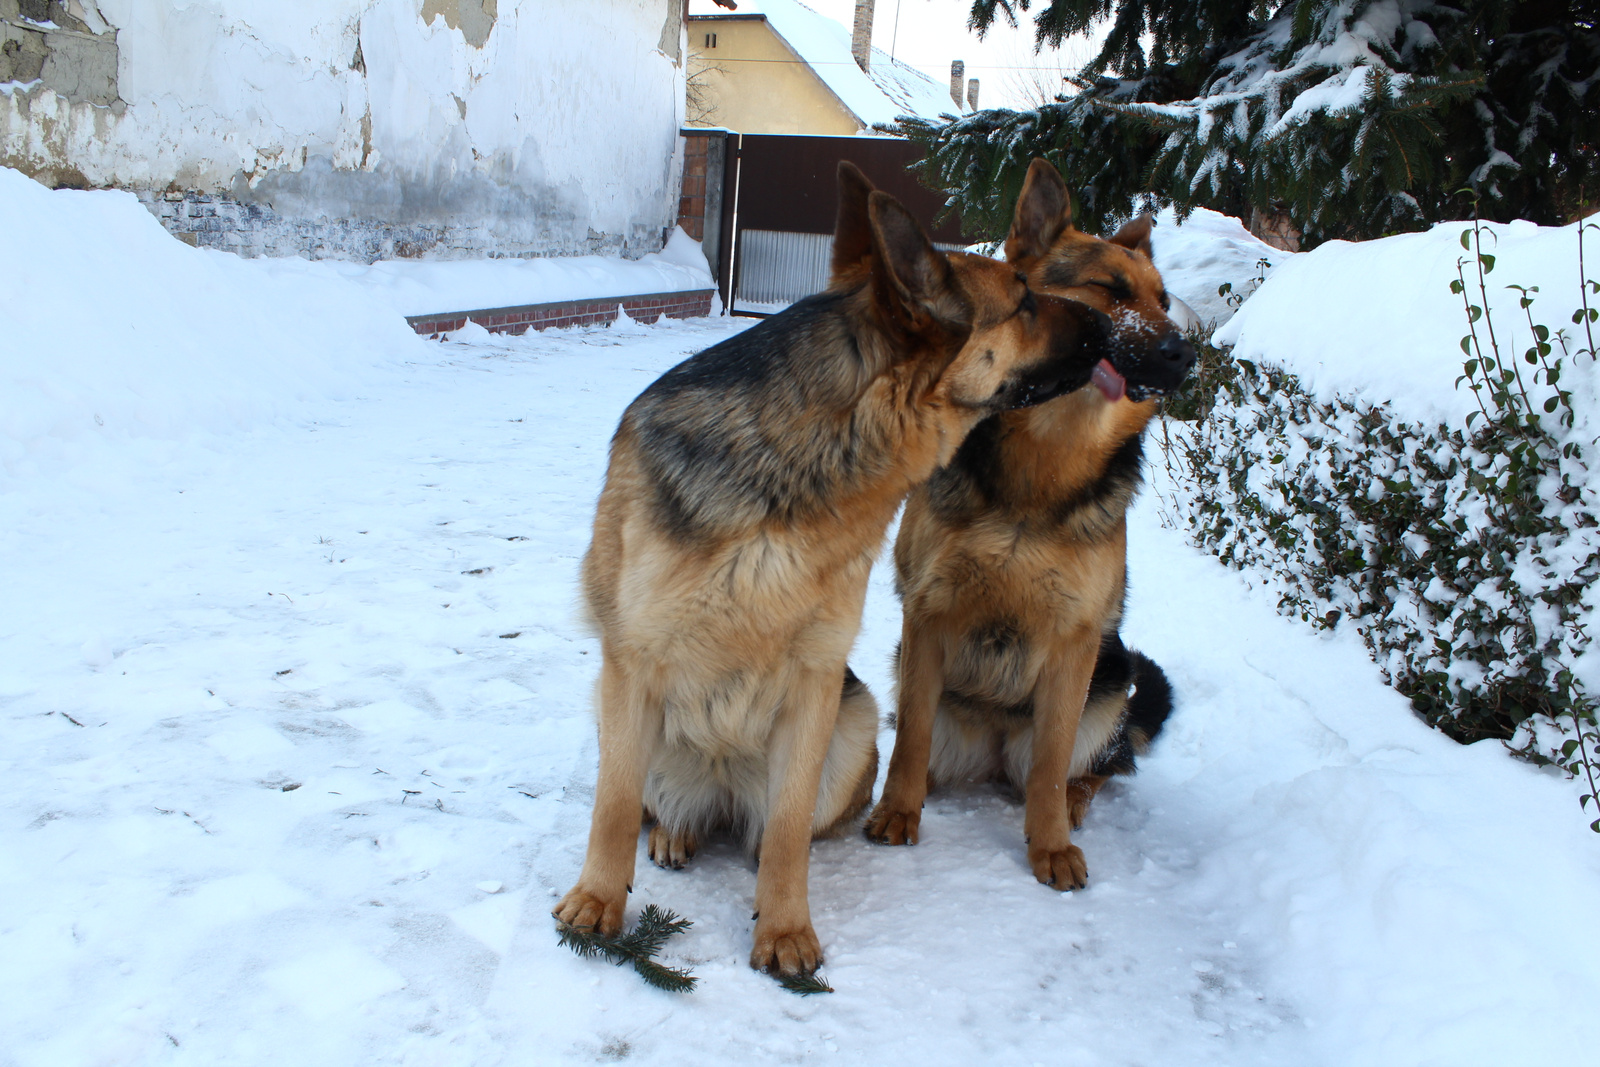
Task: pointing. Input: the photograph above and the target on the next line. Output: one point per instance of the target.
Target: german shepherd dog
(748, 492)
(1011, 563)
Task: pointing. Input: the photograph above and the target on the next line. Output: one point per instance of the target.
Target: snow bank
(1205, 250)
(115, 331)
(1377, 319)
(424, 287)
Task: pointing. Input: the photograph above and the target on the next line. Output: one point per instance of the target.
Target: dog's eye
(1118, 288)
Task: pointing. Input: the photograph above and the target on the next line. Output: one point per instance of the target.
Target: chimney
(861, 36)
(958, 74)
(972, 94)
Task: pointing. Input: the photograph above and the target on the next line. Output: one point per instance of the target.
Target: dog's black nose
(1178, 353)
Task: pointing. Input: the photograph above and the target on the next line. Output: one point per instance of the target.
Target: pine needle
(638, 947)
(806, 985)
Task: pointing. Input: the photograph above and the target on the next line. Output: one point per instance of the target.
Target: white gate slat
(777, 268)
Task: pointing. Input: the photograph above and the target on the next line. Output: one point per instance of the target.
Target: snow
(1203, 251)
(890, 90)
(421, 287)
(115, 332)
(1377, 319)
(299, 750)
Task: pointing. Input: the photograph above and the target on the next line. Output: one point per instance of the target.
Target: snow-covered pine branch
(1354, 118)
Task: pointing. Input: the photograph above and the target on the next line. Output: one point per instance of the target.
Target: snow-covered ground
(299, 753)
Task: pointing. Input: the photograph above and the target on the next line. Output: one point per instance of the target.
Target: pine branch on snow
(638, 947)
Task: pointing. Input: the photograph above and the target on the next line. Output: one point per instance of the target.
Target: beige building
(776, 66)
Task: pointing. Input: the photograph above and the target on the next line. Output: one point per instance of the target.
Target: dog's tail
(1144, 714)
(1150, 703)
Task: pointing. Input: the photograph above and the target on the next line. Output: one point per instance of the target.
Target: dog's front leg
(897, 819)
(630, 731)
(1058, 699)
(785, 942)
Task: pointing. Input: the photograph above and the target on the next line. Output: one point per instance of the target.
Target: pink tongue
(1112, 385)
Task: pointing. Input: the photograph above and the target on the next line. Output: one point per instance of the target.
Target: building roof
(879, 96)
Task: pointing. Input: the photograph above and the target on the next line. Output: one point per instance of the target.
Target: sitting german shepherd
(1011, 563)
(748, 492)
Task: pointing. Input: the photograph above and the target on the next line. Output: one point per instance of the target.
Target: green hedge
(1462, 555)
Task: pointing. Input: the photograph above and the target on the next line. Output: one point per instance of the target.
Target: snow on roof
(890, 90)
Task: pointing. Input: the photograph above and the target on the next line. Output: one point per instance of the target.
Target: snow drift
(116, 331)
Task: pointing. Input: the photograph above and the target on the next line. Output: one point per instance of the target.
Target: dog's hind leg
(672, 848)
(630, 730)
(688, 798)
(851, 767)
(1137, 719)
(785, 941)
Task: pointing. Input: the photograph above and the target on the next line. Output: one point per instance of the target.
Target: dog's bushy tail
(1150, 703)
(1145, 712)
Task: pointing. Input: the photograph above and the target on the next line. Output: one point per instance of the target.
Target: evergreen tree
(1356, 118)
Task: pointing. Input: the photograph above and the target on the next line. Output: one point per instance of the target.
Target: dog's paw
(584, 910)
(1063, 868)
(785, 952)
(888, 827)
(671, 849)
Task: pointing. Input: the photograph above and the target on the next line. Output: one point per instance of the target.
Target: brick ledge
(646, 307)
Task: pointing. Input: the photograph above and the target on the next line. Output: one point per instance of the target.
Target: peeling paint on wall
(671, 43)
(356, 129)
(474, 18)
(43, 41)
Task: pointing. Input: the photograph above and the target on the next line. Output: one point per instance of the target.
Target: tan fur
(726, 604)
(1011, 565)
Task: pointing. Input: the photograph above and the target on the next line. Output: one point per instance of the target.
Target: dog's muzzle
(1154, 372)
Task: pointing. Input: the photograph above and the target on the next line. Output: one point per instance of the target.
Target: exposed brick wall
(704, 178)
(649, 307)
(692, 204)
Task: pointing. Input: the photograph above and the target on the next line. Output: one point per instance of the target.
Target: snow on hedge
(1433, 490)
(1377, 319)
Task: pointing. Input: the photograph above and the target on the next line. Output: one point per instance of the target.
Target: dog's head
(1117, 275)
(990, 341)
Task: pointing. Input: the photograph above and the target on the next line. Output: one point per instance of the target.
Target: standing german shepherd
(1011, 564)
(748, 492)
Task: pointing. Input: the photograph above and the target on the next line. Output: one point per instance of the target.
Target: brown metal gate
(779, 200)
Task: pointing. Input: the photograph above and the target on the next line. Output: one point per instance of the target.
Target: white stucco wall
(354, 128)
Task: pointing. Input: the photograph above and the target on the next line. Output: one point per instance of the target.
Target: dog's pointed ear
(852, 230)
(1135, 236)
(1043, 210)
(919, 275)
